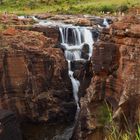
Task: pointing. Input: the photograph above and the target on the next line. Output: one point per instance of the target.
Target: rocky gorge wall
(33, 77)
(115, 81)
(34, 80)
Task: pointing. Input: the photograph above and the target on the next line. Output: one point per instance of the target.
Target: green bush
(123, 8)
(138, 133)
(106, 8)
(32, 4)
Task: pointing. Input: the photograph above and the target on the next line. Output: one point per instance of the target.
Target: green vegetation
(105, 114)
(66, 6)
(114, 134)
(111, 128)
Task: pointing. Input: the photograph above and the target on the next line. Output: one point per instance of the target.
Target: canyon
(36, 82)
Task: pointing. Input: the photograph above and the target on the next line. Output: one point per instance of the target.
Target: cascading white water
(75, 85)
(105, 23)
(72, 39)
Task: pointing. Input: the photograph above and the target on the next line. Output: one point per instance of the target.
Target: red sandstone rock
(116, 80)
(44, 16)
(12, 20)
(10, 31)
(33, 77)
(79, 21)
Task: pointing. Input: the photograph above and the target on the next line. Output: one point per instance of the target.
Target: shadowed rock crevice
(9, 127)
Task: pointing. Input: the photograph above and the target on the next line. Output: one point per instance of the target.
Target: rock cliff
(33, 77)
(34, 80)
(115, 81)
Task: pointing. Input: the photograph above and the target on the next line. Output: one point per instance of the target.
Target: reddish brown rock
(44, 16)
(48, 31)
(10, 31)
(33, 77)
(79, 21)
(115, 81)
(7, 20)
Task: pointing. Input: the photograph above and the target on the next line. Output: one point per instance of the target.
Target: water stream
(73, 39)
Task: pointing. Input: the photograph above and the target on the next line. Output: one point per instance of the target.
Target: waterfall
(73, 39)
(105, 23)
(75, 85)
(77, 43)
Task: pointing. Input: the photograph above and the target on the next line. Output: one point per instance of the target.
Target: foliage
(105, 114)
(67, 6)
(138, 133)
(111, 127)
(123, 8)
(32, 4)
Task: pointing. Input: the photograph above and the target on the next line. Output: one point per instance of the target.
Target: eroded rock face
(116, 80)
(34, 81)
(130, 72)
(33, 77)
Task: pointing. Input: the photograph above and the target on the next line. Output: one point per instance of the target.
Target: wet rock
(77, 65)
(95, 34)
(85, 51)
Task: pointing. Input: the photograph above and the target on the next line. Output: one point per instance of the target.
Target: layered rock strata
(115, 81)
(34, 81)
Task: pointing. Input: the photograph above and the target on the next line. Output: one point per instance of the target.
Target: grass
(66, 6)
(114, 134)
(112, 129)
(138, 133)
